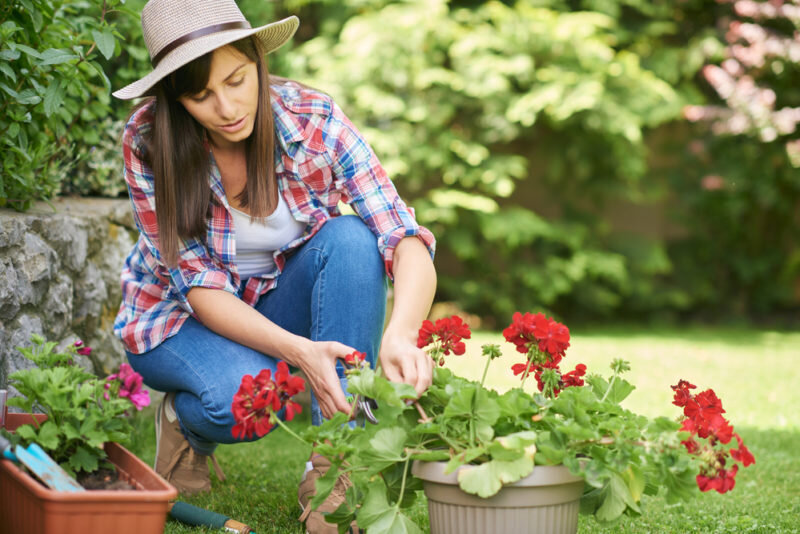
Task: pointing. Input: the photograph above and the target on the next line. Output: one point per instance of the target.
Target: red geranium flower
(447, 334)
(573, 378)
(259, 399)
(553, 337)
(704, 419)
(724, 480)
(682, 393)
(519, 369)
(520, 331)
(742, 454)
(355, 358)
(529, 330)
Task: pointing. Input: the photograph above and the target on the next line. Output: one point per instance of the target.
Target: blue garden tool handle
(5, 449)
(40, 464)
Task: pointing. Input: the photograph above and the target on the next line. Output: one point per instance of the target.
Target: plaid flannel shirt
(321, 159)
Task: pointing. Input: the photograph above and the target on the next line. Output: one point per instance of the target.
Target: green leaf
(27, 49)
(617, 497)
(56, 56)
(12, 93)
(53, 98)
(28, 97)
(70, 432)
(474, 403)
(324, 486)
(95, 438)
(486, 479)
(48, 436)
(462, 458)
(386, 448)
(105, 42)
(8, 71)
(27, 433)
(379, 517)
(85, 459)
(99, 70)
(10, 55)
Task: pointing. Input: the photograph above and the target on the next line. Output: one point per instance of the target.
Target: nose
(225, 108)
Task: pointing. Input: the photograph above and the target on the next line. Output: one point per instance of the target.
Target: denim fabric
(332, 289)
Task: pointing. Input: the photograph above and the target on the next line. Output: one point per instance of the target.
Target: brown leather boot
(315, 519)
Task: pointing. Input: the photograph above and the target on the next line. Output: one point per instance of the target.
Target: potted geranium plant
(81, 421)
(539, 452)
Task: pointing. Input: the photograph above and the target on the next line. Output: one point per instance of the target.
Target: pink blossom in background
(130, 386)
(712, 182)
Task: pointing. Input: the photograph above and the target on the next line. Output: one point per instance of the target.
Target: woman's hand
(402, 361)
(318, 363)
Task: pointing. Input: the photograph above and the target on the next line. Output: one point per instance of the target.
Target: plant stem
(291, 432)
(486, 369)
(527, 368)
(423, 415)
(402, 484)
(610, 385)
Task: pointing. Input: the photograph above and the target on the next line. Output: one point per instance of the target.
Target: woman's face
(227, 106)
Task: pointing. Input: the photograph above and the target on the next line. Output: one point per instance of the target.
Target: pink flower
(83, 351)
(130, 386)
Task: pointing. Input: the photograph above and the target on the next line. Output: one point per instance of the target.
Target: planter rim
(542, 475)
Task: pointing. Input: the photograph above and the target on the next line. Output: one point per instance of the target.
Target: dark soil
(103, 479)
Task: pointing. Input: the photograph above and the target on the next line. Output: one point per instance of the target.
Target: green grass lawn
(754, 372)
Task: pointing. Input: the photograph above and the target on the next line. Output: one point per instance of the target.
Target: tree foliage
(477, 107)
(53, 90)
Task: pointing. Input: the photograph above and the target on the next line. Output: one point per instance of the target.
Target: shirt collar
(288, 129)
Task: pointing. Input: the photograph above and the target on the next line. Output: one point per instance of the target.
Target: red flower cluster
(355, 359)
(447, 334)
(545, 341)
(565, 380)
(531, 331)
(704, 420)
(259, 399)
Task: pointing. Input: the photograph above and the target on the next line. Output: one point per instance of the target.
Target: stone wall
(59, 277)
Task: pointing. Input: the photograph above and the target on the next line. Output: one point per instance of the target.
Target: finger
(341, 350)
(391, 371)
(424, 373)
(409, 370)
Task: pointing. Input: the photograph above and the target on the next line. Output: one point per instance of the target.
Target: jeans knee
(354, 243)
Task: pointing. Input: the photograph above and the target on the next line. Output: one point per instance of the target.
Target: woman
(243, 258)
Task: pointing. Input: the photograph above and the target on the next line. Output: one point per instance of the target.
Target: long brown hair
(180, 162)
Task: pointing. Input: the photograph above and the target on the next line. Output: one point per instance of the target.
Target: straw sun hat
(178, 31)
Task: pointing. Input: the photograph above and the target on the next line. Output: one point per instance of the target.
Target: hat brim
(272, 37)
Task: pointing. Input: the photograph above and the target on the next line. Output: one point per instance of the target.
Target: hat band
(196, 35)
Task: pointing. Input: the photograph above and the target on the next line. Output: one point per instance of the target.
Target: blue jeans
(332, 288)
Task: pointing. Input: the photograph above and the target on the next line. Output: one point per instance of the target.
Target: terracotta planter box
(26, 506)
(545, 502)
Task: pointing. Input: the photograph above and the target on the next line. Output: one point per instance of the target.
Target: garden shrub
(53, 90)
(475, 106)
(742, 186)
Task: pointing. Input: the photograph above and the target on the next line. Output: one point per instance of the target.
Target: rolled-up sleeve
(195, 266)
(363, 184)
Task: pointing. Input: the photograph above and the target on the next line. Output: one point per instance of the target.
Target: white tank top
(257, 242)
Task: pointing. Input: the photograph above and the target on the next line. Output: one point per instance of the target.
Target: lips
(234, 126)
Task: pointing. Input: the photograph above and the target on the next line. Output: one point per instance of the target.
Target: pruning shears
(363, 410)
(363, 406)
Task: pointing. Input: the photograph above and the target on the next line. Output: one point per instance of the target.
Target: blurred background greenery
(633, 160)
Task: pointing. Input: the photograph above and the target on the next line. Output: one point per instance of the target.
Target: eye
(237, 82)
(199, 97)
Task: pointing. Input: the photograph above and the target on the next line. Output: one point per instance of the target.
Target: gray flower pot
(544, 502)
